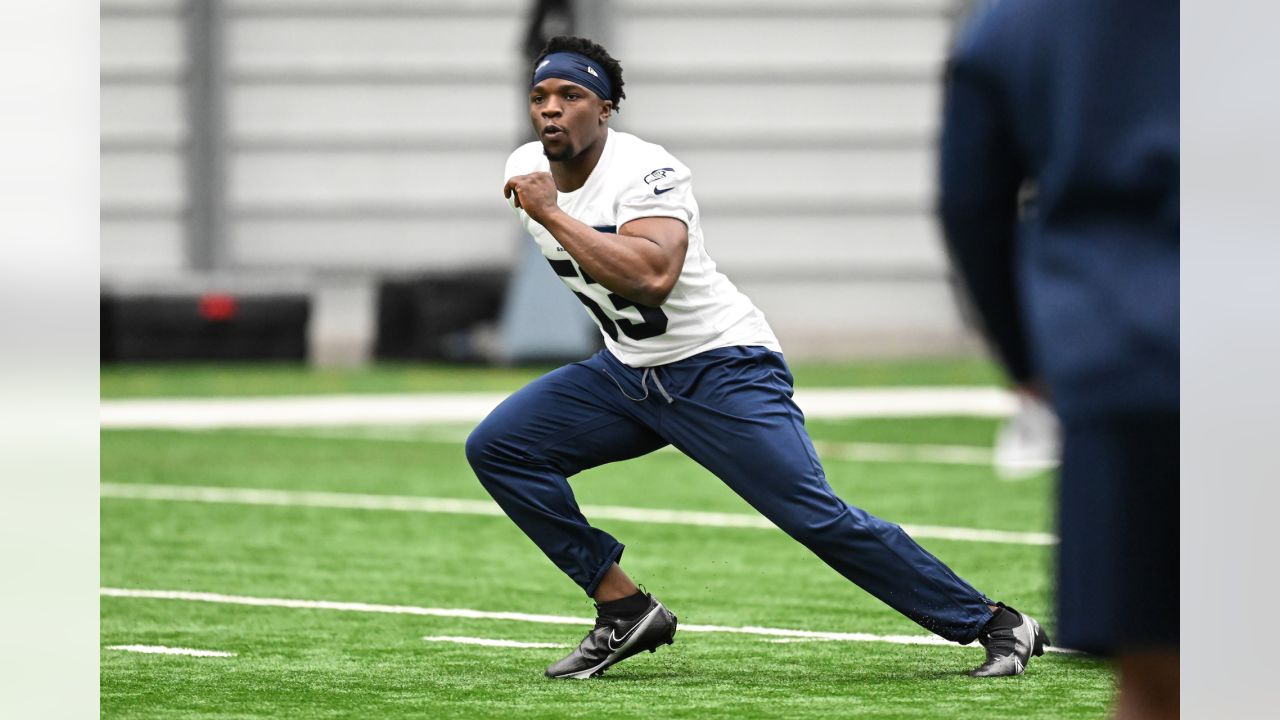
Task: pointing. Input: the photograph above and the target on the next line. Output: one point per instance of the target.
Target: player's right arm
(641, 262)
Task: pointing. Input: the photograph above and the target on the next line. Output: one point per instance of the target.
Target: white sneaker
(1029, 443)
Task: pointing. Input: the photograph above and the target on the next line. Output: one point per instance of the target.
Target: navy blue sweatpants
(731, 411)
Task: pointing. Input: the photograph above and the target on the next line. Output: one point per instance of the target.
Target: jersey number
(654, 320)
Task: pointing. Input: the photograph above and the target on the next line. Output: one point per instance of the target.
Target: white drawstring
(658, 384)
(644, 382)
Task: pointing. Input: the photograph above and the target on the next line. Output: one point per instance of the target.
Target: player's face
(567, 117)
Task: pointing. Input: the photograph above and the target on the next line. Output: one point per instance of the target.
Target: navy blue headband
(575, 68)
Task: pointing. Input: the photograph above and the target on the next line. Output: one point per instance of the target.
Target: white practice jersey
(636, 179)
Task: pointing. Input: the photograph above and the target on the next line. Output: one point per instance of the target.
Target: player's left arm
(641, 262)
(980, 177)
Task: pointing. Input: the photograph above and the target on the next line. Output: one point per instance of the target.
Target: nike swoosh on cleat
(613, 635)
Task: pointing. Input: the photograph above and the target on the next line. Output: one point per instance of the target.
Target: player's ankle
(1002, 618)
(626, 607)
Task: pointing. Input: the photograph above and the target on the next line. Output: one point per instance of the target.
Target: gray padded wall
(143, 131)
(370, 136)
(810, 129)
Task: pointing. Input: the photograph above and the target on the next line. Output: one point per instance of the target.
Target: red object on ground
(217, 307)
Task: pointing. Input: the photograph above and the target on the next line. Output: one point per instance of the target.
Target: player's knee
(802, 533)
(479, 445)
(487, 448)
(815, 529)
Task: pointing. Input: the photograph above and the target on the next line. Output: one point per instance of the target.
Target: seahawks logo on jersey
(657, 175)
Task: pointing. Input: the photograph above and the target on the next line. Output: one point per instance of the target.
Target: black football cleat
(613, 640)
(1011, 639)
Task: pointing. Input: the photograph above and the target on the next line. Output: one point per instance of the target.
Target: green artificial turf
(305, 663)
(200, 380)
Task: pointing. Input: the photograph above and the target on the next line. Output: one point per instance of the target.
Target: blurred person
(1079, 292)
(688, 361)
(1029, 442)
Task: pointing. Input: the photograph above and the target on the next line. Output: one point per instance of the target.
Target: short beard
(565, 154)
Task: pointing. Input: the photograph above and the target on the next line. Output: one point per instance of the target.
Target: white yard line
(330, 410)
(489, 642)
(444, 435)
(904, 453)
(904, 402)
(510, 616)
(162, 650)
(828, 450)
(405, 503)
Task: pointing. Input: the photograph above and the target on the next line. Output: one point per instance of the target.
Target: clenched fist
(535, 193)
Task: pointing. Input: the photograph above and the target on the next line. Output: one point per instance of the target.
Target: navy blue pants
(731, 411)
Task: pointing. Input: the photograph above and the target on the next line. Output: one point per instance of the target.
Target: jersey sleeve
(665, 190)
(519, 162)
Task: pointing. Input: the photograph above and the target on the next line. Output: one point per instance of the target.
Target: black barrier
(208, 327)
(438, 317)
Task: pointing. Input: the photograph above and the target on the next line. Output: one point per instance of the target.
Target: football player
(689, 361)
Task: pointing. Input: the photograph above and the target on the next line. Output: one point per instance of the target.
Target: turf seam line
(165, 650)
(458, 506)
(490, 642)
